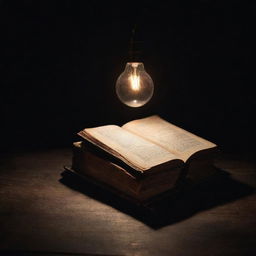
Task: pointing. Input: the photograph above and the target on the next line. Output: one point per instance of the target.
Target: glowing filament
(135, 82)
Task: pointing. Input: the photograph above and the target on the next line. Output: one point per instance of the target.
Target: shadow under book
(143, 159)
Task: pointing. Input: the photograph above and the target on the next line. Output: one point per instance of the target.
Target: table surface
(45, 213)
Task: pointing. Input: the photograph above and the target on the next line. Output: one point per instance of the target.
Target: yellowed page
(170, 137)
(139, 153)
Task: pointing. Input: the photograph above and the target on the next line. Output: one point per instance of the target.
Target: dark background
(60, 61)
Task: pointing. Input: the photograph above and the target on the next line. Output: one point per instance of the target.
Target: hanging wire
(131, 50)
(136, 44)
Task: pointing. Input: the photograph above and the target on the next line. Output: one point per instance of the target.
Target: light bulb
(134, 87)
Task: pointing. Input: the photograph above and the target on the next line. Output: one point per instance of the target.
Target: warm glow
(134, 87)
(135, 82)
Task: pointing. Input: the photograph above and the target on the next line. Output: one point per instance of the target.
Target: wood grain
(42, 213)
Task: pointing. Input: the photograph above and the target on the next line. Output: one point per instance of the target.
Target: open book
(148, 144)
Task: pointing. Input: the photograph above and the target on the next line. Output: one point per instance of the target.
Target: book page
(137, 152)
(170, 137)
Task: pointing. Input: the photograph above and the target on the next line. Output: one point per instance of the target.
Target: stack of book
(142, 159)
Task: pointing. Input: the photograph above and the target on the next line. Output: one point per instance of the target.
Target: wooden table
(42, 213)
